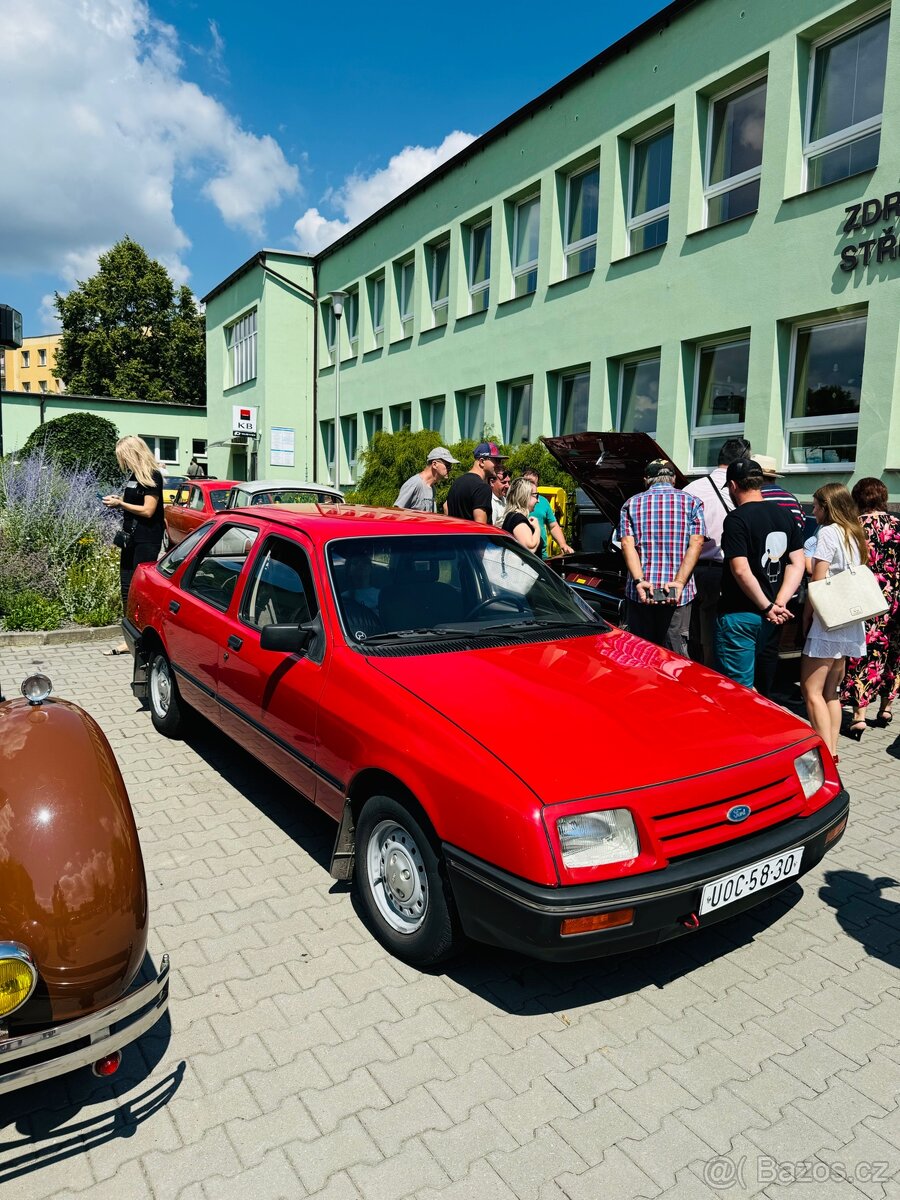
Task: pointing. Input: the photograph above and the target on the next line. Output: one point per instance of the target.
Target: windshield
(447, 585)
(294, 496)
(219, 498)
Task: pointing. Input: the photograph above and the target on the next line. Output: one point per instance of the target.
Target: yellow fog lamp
(17, 976)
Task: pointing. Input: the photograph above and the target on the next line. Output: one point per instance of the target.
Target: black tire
(166, 542)
(166, 705)
(413, 917)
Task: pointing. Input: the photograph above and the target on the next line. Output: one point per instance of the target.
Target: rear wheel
(401, 884)
(166, 705)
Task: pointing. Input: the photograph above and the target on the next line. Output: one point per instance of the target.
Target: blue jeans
(742, 639)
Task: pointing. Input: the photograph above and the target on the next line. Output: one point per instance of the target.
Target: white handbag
(849, 596)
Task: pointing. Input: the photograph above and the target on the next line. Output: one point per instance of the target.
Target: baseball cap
(658, 467)
(741, 468)
(443, 454)
(768, 464)
(488, 450)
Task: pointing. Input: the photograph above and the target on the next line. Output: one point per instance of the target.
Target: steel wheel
(165, 702)
(396, 877)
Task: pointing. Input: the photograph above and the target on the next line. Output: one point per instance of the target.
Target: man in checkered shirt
(662, 532)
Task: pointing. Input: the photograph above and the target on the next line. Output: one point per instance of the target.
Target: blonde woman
(517, 519)
(840, 543)
(140, 537)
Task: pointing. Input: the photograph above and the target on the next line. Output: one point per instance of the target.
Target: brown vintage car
(73, 897)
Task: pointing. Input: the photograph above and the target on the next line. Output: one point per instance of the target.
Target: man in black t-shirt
(470, 494)
(763, 551)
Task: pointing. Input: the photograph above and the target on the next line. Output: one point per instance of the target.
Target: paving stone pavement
(759, 1058)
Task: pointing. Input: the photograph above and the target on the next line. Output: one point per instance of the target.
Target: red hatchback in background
(195, 502)
(359, 652)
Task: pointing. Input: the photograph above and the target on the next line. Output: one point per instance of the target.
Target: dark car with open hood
(73, 897)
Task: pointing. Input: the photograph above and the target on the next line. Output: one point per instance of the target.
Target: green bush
(76, 441)
(89, 589)
(392, 458)
(31, 610)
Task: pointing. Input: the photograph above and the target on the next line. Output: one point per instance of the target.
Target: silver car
(281, 491)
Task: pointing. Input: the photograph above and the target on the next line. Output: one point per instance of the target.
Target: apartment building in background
(30, 368)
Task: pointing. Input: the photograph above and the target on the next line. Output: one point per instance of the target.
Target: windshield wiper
(395, 635)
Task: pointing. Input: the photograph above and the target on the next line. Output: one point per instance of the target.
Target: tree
(76, 441)
(127, 332)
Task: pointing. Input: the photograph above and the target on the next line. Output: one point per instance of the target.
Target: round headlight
(36, 689)
(17, 976)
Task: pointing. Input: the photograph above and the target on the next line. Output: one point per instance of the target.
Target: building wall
(183, 423)
(756, 277)
(282, 387)
(36, 376)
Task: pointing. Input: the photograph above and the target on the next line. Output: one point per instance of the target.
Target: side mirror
(290, 639)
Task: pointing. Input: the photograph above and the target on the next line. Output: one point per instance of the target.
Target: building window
(331, 325)
(582, 207)
(327, 428)
(720, 399)
(470, 412)
(240, 339)
(516, 415)
(165, 448)
(649, 191)
(26, 387)
(846, 93)
(350, 435)
(401, 417)
(480, 267)
(433, 414)
(526, 241)
(736, 123)
(825, 383)
(572, 402)
(374, 422)
(351, 314)
(377, 309)
(198, 446)
(406, 296)
(26, 358)
(440, 281)
(639, 395)
(42, 384)
(42, 358)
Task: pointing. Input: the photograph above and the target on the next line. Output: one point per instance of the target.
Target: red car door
(194, 623)
(270, 695)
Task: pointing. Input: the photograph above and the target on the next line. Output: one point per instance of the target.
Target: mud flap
(344, 854)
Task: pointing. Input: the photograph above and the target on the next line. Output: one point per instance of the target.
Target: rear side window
(196, 500)
(216, 569)
(280, 589)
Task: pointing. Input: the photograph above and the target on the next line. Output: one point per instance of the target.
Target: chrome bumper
(146, 1006)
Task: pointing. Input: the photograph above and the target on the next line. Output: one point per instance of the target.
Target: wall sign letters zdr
(862, 217)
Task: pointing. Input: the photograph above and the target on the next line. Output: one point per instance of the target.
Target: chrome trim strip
(96, 1026)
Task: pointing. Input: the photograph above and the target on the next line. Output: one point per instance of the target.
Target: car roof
(322, 522)
(266, 485)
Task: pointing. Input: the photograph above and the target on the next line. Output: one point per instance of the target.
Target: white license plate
(748, 880)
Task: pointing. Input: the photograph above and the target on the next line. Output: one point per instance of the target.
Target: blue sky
(208, 130)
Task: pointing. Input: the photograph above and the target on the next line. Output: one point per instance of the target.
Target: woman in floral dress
(878, 674)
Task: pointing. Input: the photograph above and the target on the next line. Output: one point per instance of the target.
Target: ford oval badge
(739, 813)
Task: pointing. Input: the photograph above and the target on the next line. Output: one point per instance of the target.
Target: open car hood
(608, 466)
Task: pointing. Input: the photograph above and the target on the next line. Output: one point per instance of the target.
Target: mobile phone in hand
(660, 595)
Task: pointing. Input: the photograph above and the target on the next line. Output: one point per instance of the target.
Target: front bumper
(504, 910)
(34, 1057)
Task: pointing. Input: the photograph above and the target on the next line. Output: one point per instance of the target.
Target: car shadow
(310, 828)
(865, 913)
(528, 987)
(43, 1113)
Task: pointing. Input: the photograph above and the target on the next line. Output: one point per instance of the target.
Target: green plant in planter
(31, 610)
(89, 589)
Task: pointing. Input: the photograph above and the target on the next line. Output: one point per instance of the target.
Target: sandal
(115, 651)
(856, 730)
(885, 717)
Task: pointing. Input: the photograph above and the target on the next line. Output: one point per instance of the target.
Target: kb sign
(243, 419)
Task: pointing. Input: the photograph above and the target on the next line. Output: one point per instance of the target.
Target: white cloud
(362, 195)
(105, 125)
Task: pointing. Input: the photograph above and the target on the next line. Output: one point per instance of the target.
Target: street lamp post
(337, 308)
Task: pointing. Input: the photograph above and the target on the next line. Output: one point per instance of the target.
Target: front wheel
(166, 707)
(401, 884)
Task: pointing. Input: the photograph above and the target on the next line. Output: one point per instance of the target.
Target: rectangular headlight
(593, 839)
(810, 771)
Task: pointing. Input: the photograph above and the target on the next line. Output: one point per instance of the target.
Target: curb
(60, 637)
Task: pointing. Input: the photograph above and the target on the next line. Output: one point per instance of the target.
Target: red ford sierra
(359, 652)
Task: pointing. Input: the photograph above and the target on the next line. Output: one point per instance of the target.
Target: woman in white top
(840, 543)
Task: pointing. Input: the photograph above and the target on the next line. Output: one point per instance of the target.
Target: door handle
(234, 643)
(174, 606)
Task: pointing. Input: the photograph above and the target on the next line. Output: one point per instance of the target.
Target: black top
(467, 493)
(147, 531)
(765, 534)
(514, 519)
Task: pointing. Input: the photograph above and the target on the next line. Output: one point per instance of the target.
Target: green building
(695, 234)
(175, 433)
